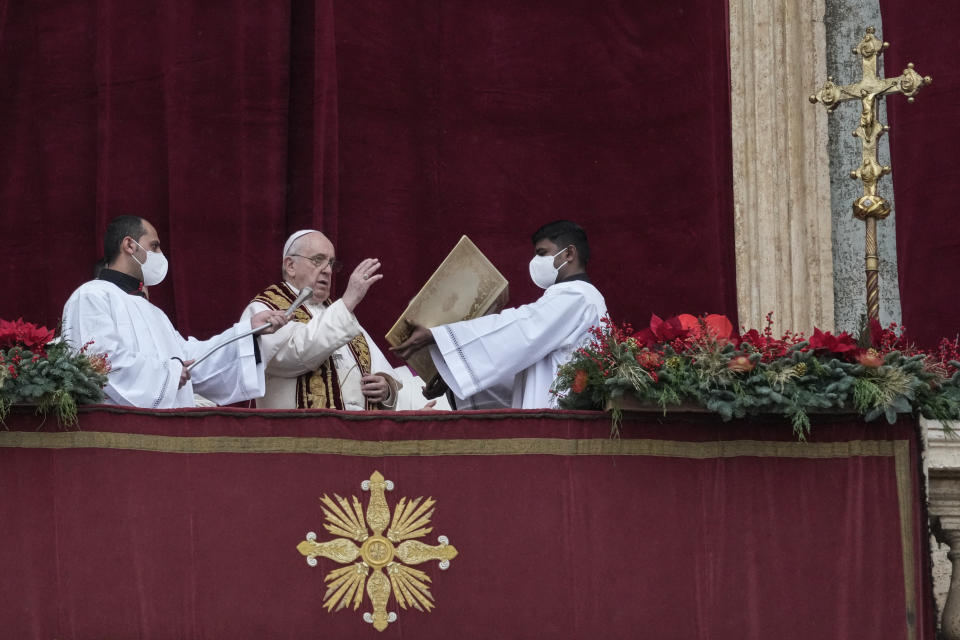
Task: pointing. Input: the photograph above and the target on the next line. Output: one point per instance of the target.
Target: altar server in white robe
(510, 359)
(148, 357)
(324, 359)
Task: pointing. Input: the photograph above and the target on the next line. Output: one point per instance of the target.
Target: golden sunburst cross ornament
(377, 552)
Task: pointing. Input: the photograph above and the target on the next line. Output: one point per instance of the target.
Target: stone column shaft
(780, 164)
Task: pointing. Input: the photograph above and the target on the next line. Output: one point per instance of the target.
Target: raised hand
(360, 282)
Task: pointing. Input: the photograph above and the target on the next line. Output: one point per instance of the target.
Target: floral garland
(35, 369)
(703, 361)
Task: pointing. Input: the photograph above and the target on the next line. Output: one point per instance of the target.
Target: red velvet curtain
(185, 524)
(393, 126)
(925, 174)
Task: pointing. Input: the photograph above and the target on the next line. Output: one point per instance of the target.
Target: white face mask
(154, 266)
(542, 271)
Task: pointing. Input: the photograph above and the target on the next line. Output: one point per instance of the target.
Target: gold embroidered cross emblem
(393, 552)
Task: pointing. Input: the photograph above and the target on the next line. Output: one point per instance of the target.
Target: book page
(466, 285)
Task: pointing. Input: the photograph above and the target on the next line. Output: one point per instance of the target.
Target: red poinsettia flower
(23, 333)
(649, 360)
(826, 341)
(755, 338)
(660, 331)
(718, 326)
(690, 323)
(740, 364)
(869, 358)
(8, 333)
(579, 381)
(888, 339)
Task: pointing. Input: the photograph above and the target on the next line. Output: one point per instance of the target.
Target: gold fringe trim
(447, 447)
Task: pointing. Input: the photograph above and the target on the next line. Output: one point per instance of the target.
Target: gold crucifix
(870, 207)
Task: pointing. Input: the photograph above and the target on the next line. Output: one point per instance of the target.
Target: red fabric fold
(395, 127)
(926, 178)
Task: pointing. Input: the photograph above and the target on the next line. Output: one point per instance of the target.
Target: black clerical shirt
(576, 276)
(127, 283)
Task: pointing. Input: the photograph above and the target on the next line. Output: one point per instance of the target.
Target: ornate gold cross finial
(870, 207)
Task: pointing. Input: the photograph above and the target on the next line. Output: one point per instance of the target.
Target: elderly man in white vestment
(148, 357)
(323, 358)
(510, 359)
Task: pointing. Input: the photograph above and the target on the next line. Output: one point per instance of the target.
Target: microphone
(305, 293)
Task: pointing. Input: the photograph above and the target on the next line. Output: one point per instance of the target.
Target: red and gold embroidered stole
(318, 389)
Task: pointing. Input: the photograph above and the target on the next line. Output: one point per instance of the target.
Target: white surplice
(301, 347)
(411, 394)
(510, 359)
(145, 351)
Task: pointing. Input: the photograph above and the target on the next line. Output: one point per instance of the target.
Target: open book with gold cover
(465, 286)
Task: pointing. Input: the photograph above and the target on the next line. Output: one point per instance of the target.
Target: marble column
(950, 619)
(780, 164)
(942, 464)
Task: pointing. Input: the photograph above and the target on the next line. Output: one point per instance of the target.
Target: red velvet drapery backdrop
(926, 176)
(394, 126)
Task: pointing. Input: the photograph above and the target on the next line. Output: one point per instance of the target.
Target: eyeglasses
(322, 262)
